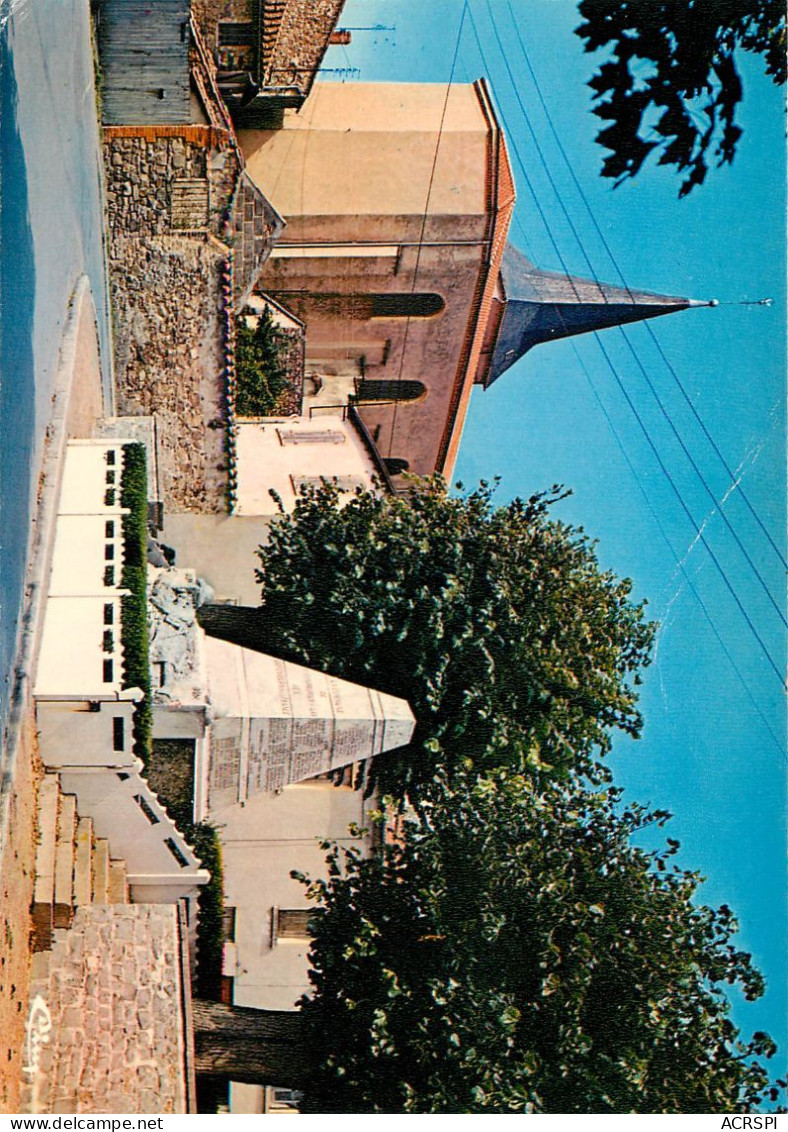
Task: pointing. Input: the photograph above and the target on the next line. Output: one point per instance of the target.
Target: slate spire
(539, 306)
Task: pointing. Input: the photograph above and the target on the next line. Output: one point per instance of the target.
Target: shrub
(261, 371)
(134, 611)
(210, 939)
(171, 774)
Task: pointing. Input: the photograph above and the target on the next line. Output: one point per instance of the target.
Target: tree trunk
(241, 625)
(256, 1047)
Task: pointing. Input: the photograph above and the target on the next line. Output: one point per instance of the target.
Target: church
(395, 255)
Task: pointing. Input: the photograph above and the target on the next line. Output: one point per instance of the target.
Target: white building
(84, 714)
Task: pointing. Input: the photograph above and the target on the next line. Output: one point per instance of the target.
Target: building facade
(397, 199)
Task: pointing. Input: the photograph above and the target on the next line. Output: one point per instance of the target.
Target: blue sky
(713, 749)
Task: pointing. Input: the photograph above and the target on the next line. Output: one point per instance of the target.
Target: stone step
(83, 863)
(44, 887)
(39, 967)
(100, 890)
(64, 861)
(118, 885)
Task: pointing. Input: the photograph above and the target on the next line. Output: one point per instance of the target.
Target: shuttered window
(290, 923)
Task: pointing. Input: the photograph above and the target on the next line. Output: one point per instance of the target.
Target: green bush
(134, 605)
(171, 774)
(210, 939)
(260, 366)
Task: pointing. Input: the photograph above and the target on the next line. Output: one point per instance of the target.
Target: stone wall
(141, 173)
(301, 42)
(295, 35)
(177, 202)
(167, 302)
(112, 988)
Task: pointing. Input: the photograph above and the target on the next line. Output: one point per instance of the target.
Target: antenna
(339, 71)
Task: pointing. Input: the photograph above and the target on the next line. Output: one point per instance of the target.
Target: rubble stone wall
(111, 987)
(169, 361)
(302, 41)
(140, 172)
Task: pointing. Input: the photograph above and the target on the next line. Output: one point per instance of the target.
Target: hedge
(176, 793)
(210, 939)
(260, 365)
(134, 605)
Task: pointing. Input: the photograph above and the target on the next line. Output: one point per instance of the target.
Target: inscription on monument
(301, 723)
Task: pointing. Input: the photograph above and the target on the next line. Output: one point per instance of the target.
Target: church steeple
(539, 306)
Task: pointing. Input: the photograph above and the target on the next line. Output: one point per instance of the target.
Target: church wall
(399, 166)
(261, 843)
(426, 349)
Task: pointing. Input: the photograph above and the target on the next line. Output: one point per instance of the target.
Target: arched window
(395, 466)
(359, 307)
(407, 304)
(372, 390)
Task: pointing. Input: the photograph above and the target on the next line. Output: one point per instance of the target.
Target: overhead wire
(621, 385)
(681, 566)
(425, 215)
(693, 463)
(647, 326)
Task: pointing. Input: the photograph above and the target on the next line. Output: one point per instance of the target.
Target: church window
(406, 304)
(371, 389)
(118, 733)
(228, 923)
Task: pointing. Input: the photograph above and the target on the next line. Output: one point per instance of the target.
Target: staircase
(73, 867)
(106, 1029)
(272, 16)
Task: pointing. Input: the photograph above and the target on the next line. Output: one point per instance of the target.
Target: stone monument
(273, 723)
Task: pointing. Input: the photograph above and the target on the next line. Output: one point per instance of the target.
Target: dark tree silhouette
(671, 87)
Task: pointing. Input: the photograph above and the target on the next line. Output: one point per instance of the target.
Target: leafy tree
(496, 624)
(260, 366)
(671, 85)
(512, 951)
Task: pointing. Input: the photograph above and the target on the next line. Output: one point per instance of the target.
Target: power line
(660, 527)
(698, 530)
(619, 382)
(649, 329)
(465, 11)
(693, 463)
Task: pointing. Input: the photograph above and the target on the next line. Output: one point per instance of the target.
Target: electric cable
(693, 463)
(699, 533)
(647, 326)
(458, 40)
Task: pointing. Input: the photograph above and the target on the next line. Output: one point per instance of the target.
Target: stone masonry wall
(140, 173)
(112, 988)
(303, 37)
(295, 36)
(167, 301)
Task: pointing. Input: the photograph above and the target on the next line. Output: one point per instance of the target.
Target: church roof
(539, 306)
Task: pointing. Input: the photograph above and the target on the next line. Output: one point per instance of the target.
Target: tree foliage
(260, 366)
(513, 952)
(496, 624)
(134, 603)
(671, 86)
